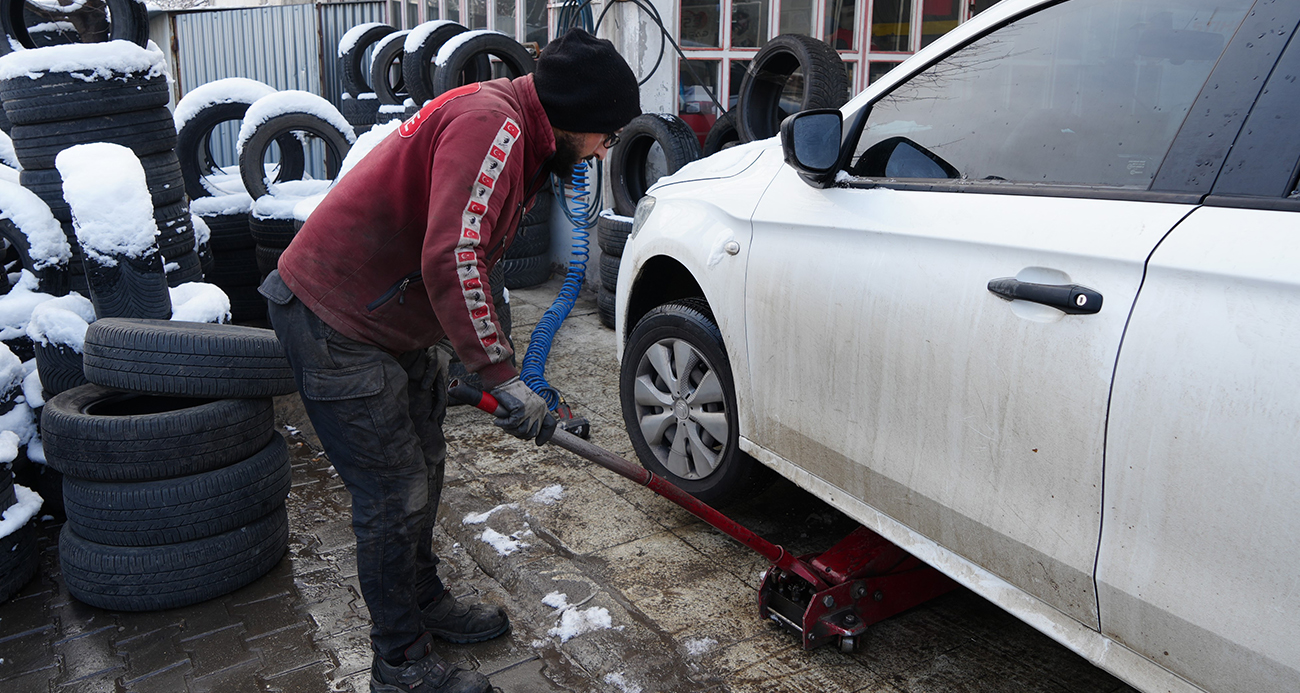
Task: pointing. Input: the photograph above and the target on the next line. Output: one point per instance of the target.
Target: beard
(568, 152)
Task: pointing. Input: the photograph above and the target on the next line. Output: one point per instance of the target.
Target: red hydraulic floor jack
(830, 597)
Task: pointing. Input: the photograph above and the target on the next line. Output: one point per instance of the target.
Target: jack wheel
(848, 644)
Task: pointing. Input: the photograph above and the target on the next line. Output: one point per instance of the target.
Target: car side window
(1085, 92)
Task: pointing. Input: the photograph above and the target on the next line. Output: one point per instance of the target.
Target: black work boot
(464, 623)
(425, 672)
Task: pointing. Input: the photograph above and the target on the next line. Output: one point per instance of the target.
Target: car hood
(724, 164)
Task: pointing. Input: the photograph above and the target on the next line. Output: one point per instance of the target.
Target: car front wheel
(679, 403)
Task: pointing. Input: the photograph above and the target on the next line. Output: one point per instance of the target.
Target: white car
(1029, 307)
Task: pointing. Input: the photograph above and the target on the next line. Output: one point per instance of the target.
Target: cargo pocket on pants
(365, 415)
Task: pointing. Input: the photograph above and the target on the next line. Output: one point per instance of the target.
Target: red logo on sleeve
(485, 179)
(470, 233)
(465, 256)
(511, 128)
(490, 340)
(498, 154)
(480, 312)
(472, 284)
(477, 208)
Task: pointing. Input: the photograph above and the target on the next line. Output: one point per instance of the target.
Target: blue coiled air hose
(583, 218)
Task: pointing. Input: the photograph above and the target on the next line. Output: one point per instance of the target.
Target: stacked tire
(125, 105)
(174, 477)
(612, 231)
(18, 556)
(360, 103)
(527, 262)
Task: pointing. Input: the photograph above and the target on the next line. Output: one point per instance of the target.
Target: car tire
(267, 259)
(540, 212)
(65, 96)
(386, 73)
(605, 307)
(183, 508)
(145, 132)
(355, 42)
(189, 268)
(418, 68)
(360, 112)
(129, 21)
(229, 232)
(194, 147)
(101, 434)
(461, 64)
(129, 287)
(186, 359)
(50, 279)
(521, 273)
(253, 172)
(162, 174)
(612, 232)
(715, 470)
(609, 271)
(826, 83)
(19, 560)
(270, 232)
(530, 240)
(630, 159)
(149, 578)
(722, 135)
(59, 368)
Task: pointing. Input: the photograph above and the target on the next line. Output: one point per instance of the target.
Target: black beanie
(585, 85)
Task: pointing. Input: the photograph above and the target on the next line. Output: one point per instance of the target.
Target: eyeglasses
(610, 140)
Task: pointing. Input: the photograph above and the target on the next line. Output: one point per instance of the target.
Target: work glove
(526, 416)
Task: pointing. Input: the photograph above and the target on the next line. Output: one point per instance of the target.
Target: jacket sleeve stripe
(471, 283)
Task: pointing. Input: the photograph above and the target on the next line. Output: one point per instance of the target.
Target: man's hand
(526, 414)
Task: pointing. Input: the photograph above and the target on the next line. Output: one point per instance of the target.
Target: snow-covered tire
(271, 232)
(145, 132)
(360, 112)
(51, 279)
(175, 230)
(18, 560)
(194, 147)
(253, 173)
(609, 271)
(129, 287)
(530, 240)
(101, 434)
(148, 578)
(630, 159)
(612, 233)
(186, 359)
(229, 232)
(521, 273)
(189, 268)
(183, 508)
(826, 83)
(386, 78)
(418, 67)
(129, 21)
(461, 63)
(66, 95)
(162, 174)
(605, 307)
(355, 77)
(723, 134)
(59, 368)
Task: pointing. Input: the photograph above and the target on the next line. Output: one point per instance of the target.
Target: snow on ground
(20, 512)
(505, 545)
(200, 302)
(621, 682)
(97, 60)
(239, 203)
(228, 90)
(698, 646)
(112, 211)
(45, 238)
(548, 495)
(351, 36)
(480, 518)
(291, 101)
(444, 53)
(574, 622)
(418, 35)
(62, 320)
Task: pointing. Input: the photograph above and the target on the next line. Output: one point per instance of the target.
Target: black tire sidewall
(274, 129)
(510, 52)
(627, 161)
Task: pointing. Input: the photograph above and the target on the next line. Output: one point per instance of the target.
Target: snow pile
(291, 101)
(62, 320)
(505, 545)
(444, 53)
(200, 302)
(351, 36)
(302, 211)
(285, 197)
(112, 212)
(418, 35)
(621, 682)
(19, 513)
(229, 90)
(202, 234)
(8, 156)
(10, 175)
(365, 143)
(88, 61)
(8, 447)
(16, 306)
(47, 245)
(33, 392)
(480, 518)
(238, 203)
(11, 371)
(548, 495)
(609, 214)
(574, 622)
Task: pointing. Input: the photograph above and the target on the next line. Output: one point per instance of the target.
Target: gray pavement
(678, 596)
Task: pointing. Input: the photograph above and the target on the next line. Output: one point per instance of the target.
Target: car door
(1198, 569)
(884, 362)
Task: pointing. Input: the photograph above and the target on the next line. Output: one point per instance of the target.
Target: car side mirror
(811, 143)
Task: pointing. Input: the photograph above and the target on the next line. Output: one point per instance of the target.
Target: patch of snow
(368, 95)
(699, 646)
(36, 449)
(202, 233)
(418, 35)
(505, 545)
(480, 518)
(12, 372)
(366, 143)
(45, 238)
(20, 512)
(200, 302)
(17, 305)
(351, 36)
(33, 392)
(842, 177)
(574, 622)
(223, 180)
(444, 53)
(291, 101)
(291, 430)
(302, 211)
(10, 175)
(239, 203)
(7, 155)
(556, 600)
(228, 90)
(22, 422)
(97, 61)
(621, 682)
(548, 495)
(609, 214)
(300, 188)
(8, 447)
(112, 211)
(392, 108)
(62, 320)
(285, 198)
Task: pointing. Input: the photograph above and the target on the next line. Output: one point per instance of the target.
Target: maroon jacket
(398, 252)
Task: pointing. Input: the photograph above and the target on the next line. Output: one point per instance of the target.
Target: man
(396, 257)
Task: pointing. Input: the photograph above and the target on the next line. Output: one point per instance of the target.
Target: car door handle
(1067, 298)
